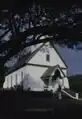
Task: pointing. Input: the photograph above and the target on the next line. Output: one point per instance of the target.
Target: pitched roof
(55, 48)
(22, 62)
(50, 71)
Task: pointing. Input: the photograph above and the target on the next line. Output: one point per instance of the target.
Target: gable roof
(50, 71)
(28, 57)
(22, 61)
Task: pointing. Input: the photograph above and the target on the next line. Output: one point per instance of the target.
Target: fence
(73, 97)
(69, 95)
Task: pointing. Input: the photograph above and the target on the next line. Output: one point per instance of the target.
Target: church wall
(14, 78)
(33, 71)
(42, 57)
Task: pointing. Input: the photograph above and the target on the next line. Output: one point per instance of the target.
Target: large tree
(20, 29)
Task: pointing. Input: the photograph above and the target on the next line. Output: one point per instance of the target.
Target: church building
(33, 69)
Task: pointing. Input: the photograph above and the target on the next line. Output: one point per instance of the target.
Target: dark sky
(21, 4)
(73, 59)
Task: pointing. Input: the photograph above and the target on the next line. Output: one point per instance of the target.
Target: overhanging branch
(16, 50)
(4, 34)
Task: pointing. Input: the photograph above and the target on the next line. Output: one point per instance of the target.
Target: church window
(47, 57)
(22, 78)
(16, 79)
(7, 83)
(21, 75)
(11, 81)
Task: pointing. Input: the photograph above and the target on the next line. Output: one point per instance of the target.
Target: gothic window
(22, 78)
(16, 79)
(21, 75)
(48, 57)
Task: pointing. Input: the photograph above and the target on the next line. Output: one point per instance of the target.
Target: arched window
(16, 79)
(21, 76)
(11, 81)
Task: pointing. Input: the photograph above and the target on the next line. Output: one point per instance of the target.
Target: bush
(76, 84)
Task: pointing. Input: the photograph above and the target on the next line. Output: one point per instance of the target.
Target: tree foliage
(76, 83)
(64, 27)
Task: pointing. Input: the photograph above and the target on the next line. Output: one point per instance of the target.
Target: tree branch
(15, 50)
(4, 34)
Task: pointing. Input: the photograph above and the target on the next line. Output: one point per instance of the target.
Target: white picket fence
(69, 95)
(76, 97)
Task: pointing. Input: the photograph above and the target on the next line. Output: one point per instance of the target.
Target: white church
(32, 70)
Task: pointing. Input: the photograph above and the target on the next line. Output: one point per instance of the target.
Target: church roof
(50, 71)
(22, 61)
(60, 55)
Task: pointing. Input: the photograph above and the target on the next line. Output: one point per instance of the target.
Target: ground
(16, 104)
